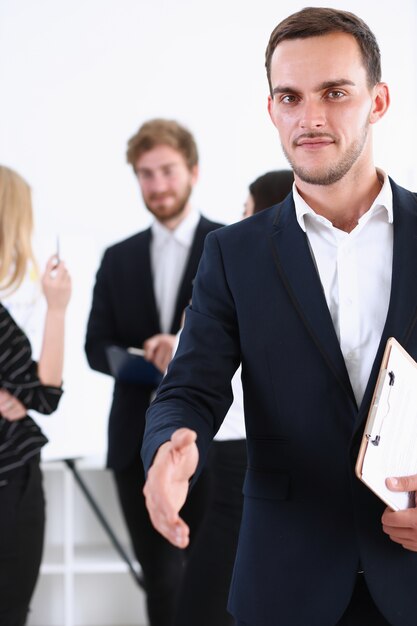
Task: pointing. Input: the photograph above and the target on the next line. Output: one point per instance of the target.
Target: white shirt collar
(383, 199)
(183, 233)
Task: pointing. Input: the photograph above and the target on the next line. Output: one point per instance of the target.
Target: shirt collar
(183, 233)
(383, 199)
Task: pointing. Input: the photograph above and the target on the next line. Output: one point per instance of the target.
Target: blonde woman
(24, 384)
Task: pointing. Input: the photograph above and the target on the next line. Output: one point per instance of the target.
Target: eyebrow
(152, 169)
(328, 84)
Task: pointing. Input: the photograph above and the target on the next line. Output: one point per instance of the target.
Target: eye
(169, 170)
(288, 99)
(335, 94)
(144, 175)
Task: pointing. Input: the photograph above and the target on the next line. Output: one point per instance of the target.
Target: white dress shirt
(233, 426)
(355, 270)
(169, 254)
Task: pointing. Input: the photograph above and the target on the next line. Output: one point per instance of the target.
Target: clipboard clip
(377, 438)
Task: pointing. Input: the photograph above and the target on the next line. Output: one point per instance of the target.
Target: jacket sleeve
(101, 323)
(19, 373)
(196, 392)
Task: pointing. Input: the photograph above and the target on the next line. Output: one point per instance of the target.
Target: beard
(156, 205)
(336, 171)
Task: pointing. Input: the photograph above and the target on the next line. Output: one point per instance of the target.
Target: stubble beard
(336, 171)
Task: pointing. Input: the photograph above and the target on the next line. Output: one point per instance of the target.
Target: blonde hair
(16, 225)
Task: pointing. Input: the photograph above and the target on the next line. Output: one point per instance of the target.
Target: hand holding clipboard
(389, 444)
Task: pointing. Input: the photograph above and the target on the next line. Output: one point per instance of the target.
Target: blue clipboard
(130, 366)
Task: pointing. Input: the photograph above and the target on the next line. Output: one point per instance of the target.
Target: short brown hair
(161, 132)
(316, 21)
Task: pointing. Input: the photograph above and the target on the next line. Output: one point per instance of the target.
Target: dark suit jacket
(124, 313)
(308, 522)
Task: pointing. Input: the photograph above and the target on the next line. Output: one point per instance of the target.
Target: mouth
(314, 143)
(160, 199)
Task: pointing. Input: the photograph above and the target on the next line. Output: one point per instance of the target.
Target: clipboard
(389, 443)
(128, 365)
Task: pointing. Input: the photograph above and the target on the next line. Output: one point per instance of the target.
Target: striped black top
(22, 439)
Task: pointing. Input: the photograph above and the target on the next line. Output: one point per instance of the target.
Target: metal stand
(70, 463)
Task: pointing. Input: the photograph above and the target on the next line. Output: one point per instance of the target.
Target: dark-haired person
(267, 190)
(329, 275)
(142, 287)
(24, 384)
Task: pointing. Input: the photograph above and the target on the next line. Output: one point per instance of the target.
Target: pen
(57, 259)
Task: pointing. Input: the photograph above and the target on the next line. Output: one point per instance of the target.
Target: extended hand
(159, 349)
(166, 487)
(10, 407)
(401, 526)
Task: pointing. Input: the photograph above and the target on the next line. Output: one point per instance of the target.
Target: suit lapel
(402, 311)
(184, 292)
(297, 270)
(148, 293)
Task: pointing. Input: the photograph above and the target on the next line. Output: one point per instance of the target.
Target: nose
(158, 183)
(313, 116)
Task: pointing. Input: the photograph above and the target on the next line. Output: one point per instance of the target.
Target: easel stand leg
(70, 463)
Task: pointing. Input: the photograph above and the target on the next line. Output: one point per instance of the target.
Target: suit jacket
(308, 522)
(124, 313)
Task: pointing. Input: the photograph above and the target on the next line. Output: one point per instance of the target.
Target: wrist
(56, 312)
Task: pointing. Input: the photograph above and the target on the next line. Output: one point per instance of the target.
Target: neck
(173, 222)
(344, 202)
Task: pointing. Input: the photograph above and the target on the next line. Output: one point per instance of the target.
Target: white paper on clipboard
(389, 444)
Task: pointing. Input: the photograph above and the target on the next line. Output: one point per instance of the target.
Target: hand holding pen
(56, 284)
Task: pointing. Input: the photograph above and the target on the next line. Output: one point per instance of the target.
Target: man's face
(165, 181)
(322, 106)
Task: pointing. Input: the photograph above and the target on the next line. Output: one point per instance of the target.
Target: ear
(380, 102)
(271, 109)
(194, 174)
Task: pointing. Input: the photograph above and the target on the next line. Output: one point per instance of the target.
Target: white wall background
(78, 77)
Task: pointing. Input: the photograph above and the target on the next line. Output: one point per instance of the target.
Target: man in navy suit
(329, 274)
(142, 287)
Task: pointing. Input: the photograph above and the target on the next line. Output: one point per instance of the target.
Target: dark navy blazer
(308, 523)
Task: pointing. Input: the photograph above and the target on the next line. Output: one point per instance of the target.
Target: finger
(402, 483)
(52, 262)
(408, 541)
(159, 364)
(162, 358)
(166, 358)
(51, 268)
(401, 534)
(149, 346)
(176, 532)
(164, 365)
(62, 272)
(400, 519)
(165, 518)
(179, 534)
(410, 545)
(17, 413)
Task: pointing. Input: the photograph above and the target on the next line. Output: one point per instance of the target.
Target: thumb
(182, 438)
(402, 483)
